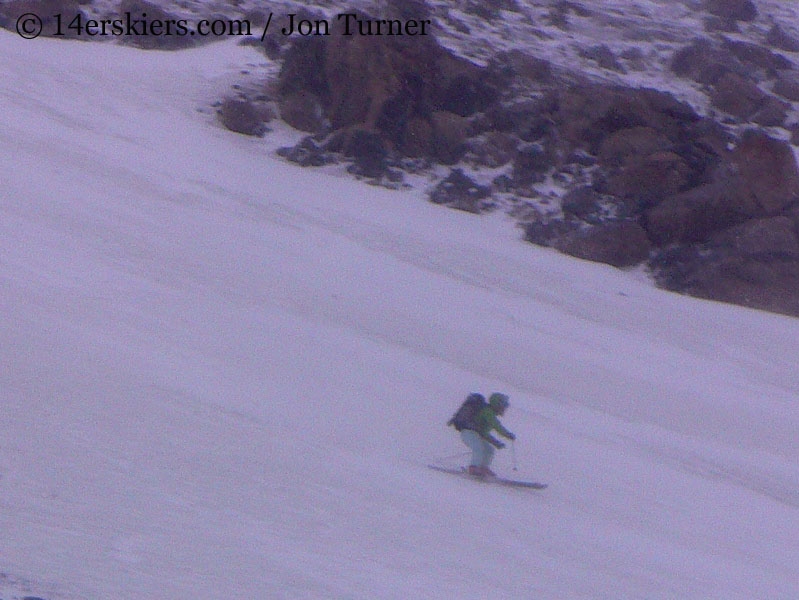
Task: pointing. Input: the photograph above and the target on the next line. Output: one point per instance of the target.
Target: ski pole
(513, 454)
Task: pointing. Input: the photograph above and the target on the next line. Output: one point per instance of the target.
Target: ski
(504, 481)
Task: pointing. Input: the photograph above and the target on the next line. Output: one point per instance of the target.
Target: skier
(476, 434)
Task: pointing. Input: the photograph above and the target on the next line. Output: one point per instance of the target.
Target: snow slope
(221, 376)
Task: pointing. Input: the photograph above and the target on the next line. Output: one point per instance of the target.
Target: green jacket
(486, 421)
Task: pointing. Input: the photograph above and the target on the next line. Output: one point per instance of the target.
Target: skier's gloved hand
(511, 436)
(499, 445)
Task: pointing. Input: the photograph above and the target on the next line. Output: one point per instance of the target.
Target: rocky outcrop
(735, 239)
(712, 215)
(754, 264)
(414, 95)
(710, 203)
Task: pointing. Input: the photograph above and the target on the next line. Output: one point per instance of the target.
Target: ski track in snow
(223, 375)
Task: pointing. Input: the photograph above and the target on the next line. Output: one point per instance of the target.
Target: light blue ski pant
(482, 450)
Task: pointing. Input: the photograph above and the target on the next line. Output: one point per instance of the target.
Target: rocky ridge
(633, 133)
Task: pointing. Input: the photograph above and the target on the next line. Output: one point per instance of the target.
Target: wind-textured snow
(222, 376)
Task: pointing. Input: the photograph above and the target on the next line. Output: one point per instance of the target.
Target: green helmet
(498, 401)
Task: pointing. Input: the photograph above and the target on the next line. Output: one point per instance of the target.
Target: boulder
(693, 215)
(242, 117)
(367, 151)
(645, 180)
(530, 164)
(787, 87)
(736, 10)
(737, 96)
(584, 116)
(493, 149)
(306, 153)
(704, 62)
(449, 136)
(517, 66)
(754, 282)
(583, 203)
(417, 138)
(460, 191)
(760, 238)
(621, 244)
(772, 113)
(768, 171)
(625, 145)
(603, 56)
(759, 178)
(303, 111)
(714, 24)
(757, 56)
(778, 38)
(547, 233)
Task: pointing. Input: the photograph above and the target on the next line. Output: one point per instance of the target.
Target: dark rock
(449, 136)
(780, 39)
(408, 9)
(303, 111)
(759, 179)
(369, 153)
(788, 88)
(737, 96)
(768, 170)
(493, 150)
(623, 145)
(761, 238)
(762, 283)
(411, 92)
(604, 57)
(704, 62)
(529, 164)
(465, 95)
(738, 10)
(242, 117)
(757, 56)
(517, 66)
(713, 24)
(460, 191)
(547, 233)
(586, 115)
(582, 202)
(772, 113)
(417, 138)
(306, 153)
(591, 206)
(621, 244)
(302, 70)
(645, 180)
(691, 216)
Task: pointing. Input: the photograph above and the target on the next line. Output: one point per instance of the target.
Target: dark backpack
(464, 417)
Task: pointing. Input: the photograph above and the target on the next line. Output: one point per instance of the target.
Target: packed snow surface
(222, 376)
